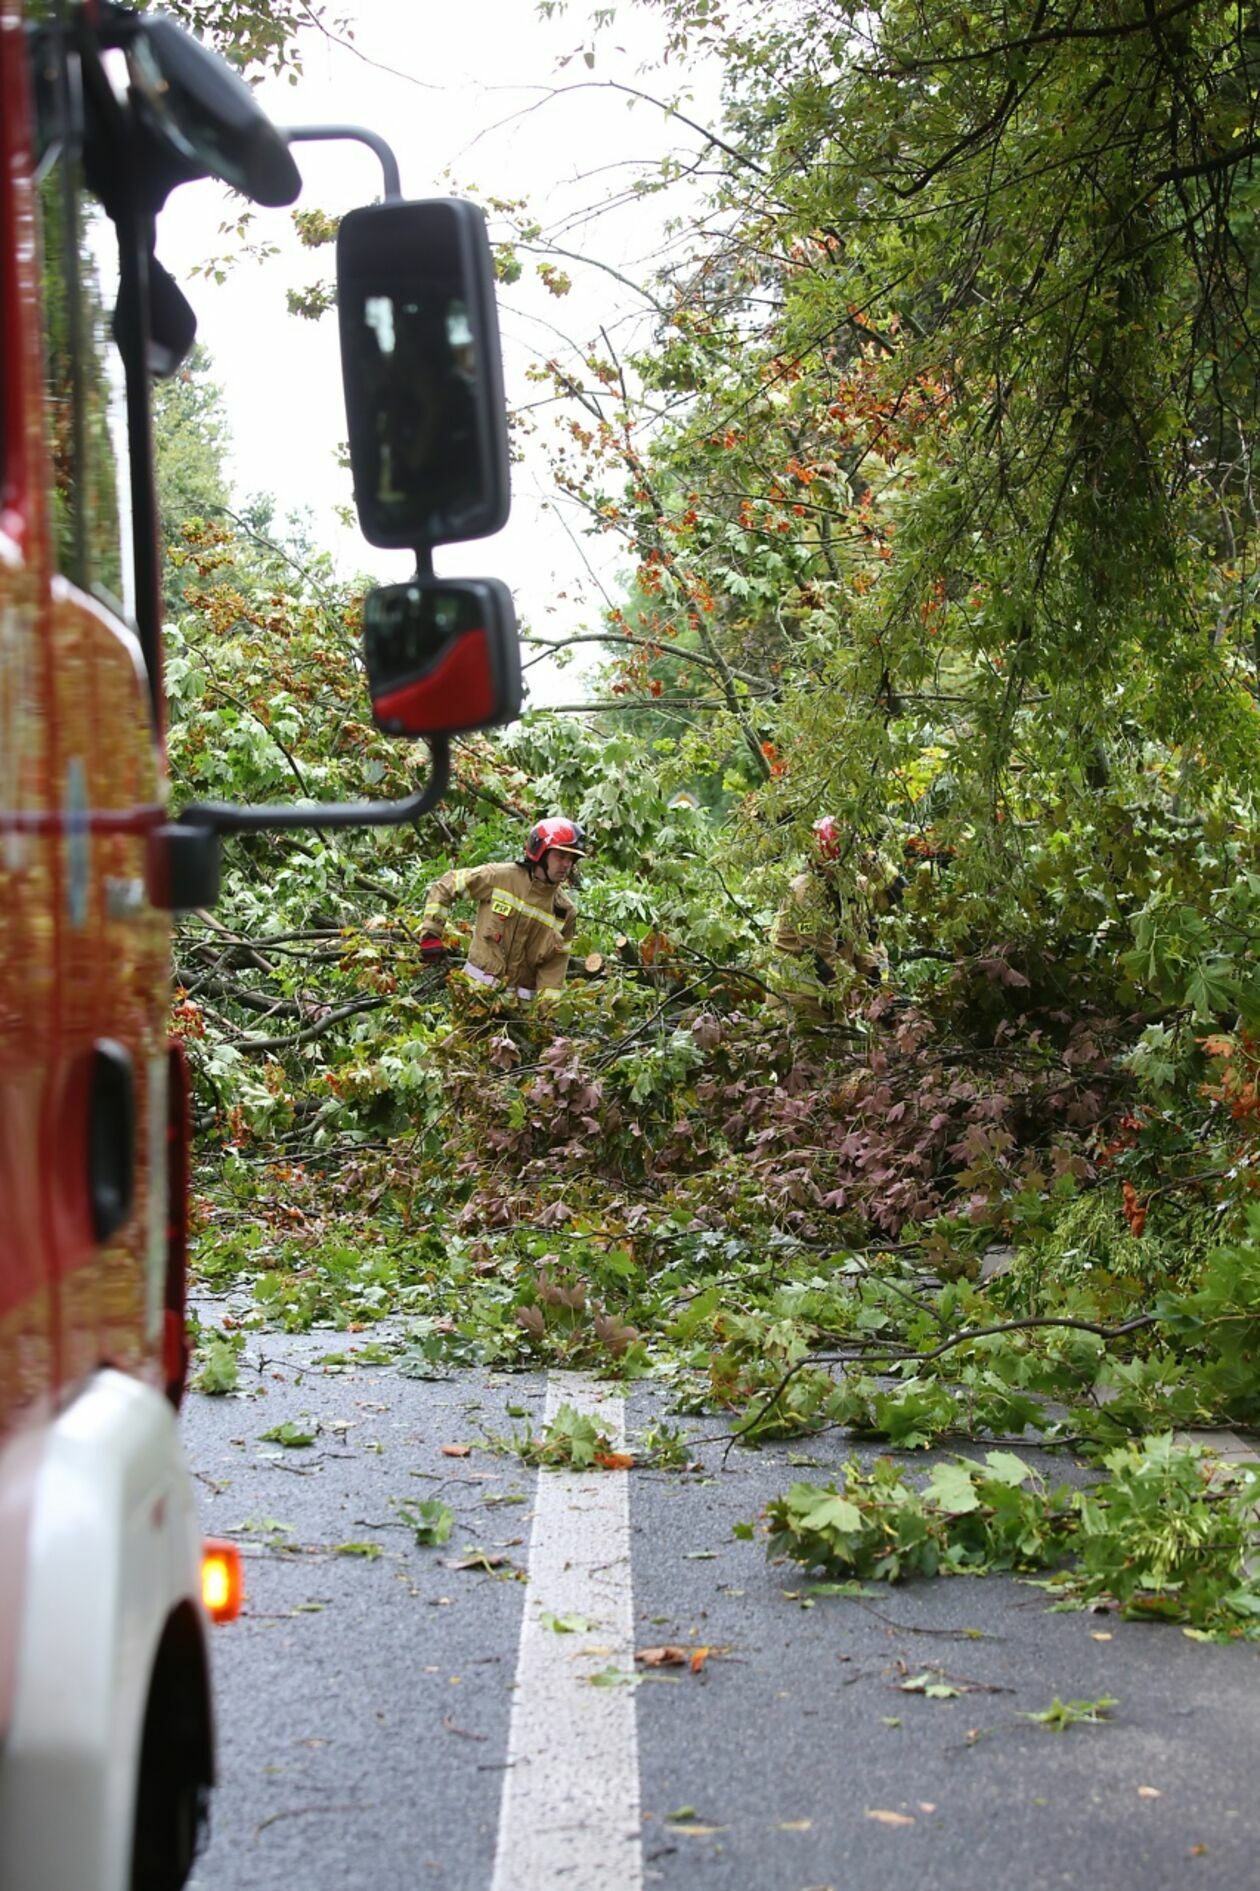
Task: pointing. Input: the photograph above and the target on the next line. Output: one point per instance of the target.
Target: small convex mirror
(442, 656)
(422, 372)
(199, 116)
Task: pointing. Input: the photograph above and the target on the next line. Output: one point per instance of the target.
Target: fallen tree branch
(923, 1359)
(326, 1023)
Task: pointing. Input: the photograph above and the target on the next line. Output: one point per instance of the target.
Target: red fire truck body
(106, 1730)
(100, 1613)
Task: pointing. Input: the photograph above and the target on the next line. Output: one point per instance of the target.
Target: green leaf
(291, 1436)
(1060, 1715)
(932, 1689)
(832, 1513)
(431, 1519)
(572, 1438)
(952, 1489)
(1006, 1467)
(220, 1371)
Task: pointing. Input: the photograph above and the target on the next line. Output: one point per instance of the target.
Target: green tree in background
(256, 37)
(192, 438)
(942, 448)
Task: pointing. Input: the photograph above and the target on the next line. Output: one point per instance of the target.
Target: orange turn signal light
(222, 1581)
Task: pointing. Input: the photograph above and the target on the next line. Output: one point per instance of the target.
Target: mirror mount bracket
(357, 134)
(184, 853)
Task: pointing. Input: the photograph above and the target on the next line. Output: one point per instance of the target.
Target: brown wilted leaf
(612, 1334)
(503, 1052)
(667, 1657)
(574, 1298)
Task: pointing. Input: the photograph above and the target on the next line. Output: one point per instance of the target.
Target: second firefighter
(525, 922)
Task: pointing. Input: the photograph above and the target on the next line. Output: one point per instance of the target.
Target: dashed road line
(569, 1815)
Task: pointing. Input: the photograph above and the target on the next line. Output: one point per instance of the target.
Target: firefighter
(829, 921)
(525, 920)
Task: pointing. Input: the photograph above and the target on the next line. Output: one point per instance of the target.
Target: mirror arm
(183, 867)
(320, 134)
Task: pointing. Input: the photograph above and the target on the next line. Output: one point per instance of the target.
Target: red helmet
(827, 837)
(564, 835)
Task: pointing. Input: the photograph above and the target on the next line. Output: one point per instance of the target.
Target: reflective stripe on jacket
(524, 928)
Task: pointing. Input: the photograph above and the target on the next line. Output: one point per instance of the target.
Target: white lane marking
(1226, 1445)
(570, 1809)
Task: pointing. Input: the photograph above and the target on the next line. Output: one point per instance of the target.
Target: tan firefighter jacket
(524, 928)
(837, 932)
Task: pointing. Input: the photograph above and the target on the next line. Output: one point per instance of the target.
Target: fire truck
(107, 1737)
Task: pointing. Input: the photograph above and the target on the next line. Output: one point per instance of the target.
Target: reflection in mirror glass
(417, 372)
(404, 627)
(423, 378)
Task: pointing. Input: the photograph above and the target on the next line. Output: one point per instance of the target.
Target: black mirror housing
(442, 656)
(423, 374)
(200, 118)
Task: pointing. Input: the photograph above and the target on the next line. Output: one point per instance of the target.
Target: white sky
(469, 109)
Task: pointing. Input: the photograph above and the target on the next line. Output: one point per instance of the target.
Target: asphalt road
(367, 1702)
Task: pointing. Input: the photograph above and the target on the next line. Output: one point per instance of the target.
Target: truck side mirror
(422, 373)
(199, 118)
(442, 656)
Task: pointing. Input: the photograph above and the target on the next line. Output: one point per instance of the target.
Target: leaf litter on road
(1060, 1715)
